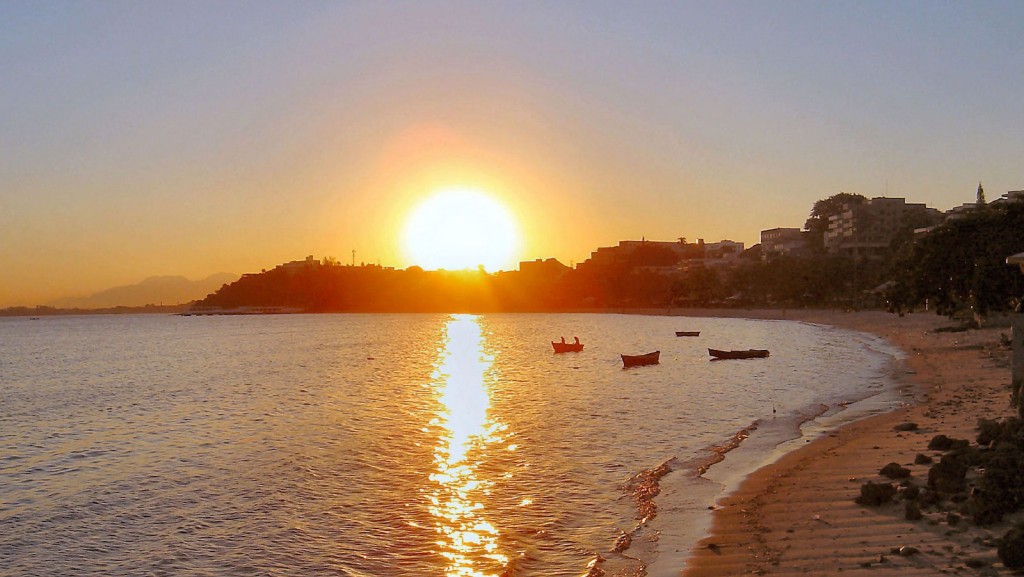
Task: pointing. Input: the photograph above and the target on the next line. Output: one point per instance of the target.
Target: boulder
(1011, 547)
(948, 476)
(874, 494)
(894, 471)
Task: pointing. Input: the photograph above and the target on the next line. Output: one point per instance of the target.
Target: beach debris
(922, 459)
(875, 494)
(906, 426)
(715, 548)
(894, 471)
(908, 551)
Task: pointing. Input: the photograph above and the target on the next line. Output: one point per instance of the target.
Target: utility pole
(353, 257)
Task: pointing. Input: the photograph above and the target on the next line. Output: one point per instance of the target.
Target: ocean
(397, 444)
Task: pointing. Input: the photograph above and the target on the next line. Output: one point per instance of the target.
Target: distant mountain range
(167, 290)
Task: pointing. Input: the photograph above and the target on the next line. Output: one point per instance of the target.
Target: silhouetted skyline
(187, 138)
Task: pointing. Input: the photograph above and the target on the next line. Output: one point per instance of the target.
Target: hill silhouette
(167, 290)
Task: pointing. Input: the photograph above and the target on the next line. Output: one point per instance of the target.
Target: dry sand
(798, 515)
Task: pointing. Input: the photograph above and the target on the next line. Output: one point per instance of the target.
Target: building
(624, 254)
(1012, 196)
(297, 265)
(721, 250)
(868, 229)
(549, 268)
(776, 242)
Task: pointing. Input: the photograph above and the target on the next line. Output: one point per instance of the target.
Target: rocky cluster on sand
(979, 484)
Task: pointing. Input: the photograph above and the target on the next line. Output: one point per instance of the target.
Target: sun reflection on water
(467, 540)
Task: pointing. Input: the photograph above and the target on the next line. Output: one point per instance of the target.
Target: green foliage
(699, 287)
(817, 223)
(961, 265)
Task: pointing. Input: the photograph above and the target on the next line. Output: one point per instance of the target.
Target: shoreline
(796, 514)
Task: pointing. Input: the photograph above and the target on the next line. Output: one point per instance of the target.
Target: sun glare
(460, 229)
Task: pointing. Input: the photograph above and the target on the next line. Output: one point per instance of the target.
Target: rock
(1011, 547)
(874, 494)
(894, 471)
(952, 518)
(922, 459)
(912, 511)
(928, 498)
(911, 493)
(906, 426)
(948, 476)
(909, 550)
(988, 431)
(944, 443)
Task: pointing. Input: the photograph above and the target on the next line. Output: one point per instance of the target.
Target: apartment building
(868, 229)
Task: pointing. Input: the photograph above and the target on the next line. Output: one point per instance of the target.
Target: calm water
(415, 445)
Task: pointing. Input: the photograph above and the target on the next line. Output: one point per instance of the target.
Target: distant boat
(564, 347)
(687, 333)
(747, 354)
(640, 360)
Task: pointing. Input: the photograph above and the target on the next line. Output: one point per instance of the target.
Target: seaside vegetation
(961, 267)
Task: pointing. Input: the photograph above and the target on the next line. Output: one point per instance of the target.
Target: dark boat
(747, 354)
(640, 360)
(687, 333)
(564, 347)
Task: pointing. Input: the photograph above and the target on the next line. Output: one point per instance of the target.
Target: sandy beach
(798, 515)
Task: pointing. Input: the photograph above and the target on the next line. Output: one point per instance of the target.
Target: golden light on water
(467, 539)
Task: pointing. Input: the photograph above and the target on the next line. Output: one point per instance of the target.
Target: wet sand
(797, 516)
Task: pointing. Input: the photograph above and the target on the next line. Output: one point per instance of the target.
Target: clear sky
(143, 138)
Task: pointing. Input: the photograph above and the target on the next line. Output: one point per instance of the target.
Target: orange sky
(194, 139)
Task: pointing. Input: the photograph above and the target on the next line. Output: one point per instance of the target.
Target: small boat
(687, 333)
(640, 360)
(747, 354)
(564, 347)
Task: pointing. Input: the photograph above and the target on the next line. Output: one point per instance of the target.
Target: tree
(960, 266)
(817, 223)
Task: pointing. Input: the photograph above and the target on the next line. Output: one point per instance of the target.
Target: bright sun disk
(460, 229)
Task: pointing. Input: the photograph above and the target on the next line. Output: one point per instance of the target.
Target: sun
(458, 229)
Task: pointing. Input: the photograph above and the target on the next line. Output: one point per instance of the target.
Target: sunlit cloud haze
(188, 138)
